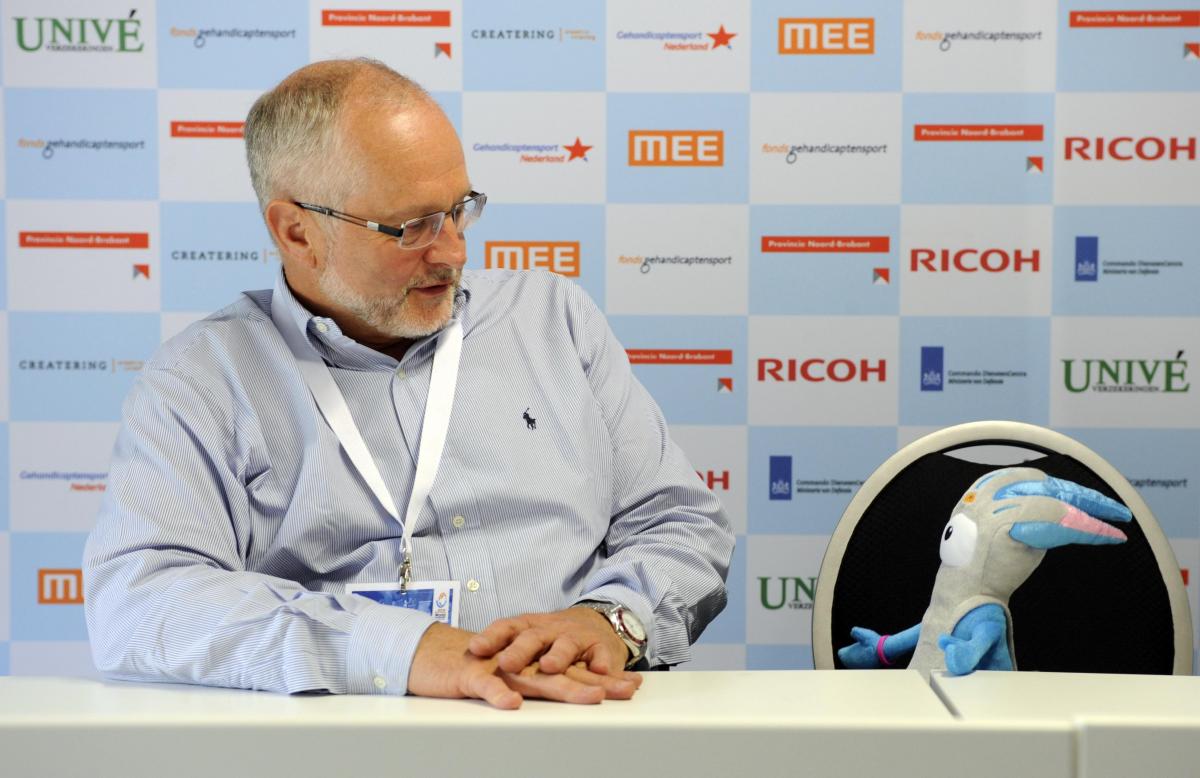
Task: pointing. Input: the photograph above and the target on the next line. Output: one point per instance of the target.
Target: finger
(864, 635)
(523, 651)
(492, 689)
(534, 683)
(565, 651)
(615, 687)
(496, 636)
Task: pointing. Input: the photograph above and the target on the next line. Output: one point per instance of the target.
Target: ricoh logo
(827, 36)
(1168, 376)
(795, 593)
(60, 587)
(713, 478)
(79, 34)
(819, 370)
(676, 148)
(989, 260)
(557, 256)
(1127, 148)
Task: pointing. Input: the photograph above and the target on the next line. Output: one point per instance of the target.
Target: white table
(741, 724)
(1146, 726)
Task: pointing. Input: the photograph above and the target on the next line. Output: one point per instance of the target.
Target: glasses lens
(467, 212)
(419, 233)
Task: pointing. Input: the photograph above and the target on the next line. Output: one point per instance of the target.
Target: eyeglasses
(419, 232)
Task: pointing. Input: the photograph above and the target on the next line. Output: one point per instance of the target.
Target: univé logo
(815, 370)
(970, 260)
(1127, 376)
(774, 593)
(60, 587)
(79, 34)
(676, 148)
(1125, 148)
(827, 36)
(557, 256)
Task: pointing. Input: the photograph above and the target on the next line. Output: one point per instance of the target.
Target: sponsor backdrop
(820, 229)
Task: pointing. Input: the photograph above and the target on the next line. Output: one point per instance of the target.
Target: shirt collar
(340, 350)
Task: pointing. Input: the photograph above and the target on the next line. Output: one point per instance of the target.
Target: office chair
(1121, 611)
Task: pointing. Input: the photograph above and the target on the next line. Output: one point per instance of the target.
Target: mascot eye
(958, 541)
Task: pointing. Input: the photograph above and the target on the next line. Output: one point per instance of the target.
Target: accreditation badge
(437, 598)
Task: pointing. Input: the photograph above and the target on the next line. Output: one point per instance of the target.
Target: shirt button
(458, 522)
(380, 684)
(400, 373)
(472, 585)
(322, 327)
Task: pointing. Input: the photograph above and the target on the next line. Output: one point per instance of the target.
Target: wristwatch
(627, 626)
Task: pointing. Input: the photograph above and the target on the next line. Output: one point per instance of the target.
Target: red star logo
(578, 151)
(722, 38)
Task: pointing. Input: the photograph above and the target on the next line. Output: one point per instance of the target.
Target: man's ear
(297, 237)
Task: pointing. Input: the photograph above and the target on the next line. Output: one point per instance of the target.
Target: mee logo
(973, 260)
(817, 370)
(1127, 376)
(713, 478)
(676, 148)
(206, 129)
(73, 34)
(379, 18)
(1125, 148)
(826, 36)
(795, 593)
(60, 586)
(83, 240)
(557, 256)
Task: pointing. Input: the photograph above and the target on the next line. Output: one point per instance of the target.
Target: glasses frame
(398, 232)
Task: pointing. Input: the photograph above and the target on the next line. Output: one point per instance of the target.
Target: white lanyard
(433, 428)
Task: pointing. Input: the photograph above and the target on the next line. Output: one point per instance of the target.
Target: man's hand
(556, 641)
(444, 667)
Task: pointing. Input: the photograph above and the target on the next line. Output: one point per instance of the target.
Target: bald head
(297, 145)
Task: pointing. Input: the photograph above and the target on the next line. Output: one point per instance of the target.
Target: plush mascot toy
(997, 535)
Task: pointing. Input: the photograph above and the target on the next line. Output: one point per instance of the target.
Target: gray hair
(292, 145)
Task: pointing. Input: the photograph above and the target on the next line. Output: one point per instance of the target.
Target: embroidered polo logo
(530, 422)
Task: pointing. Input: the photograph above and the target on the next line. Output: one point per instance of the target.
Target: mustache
(437, 278)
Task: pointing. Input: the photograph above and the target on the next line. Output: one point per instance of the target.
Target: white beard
(388, 315)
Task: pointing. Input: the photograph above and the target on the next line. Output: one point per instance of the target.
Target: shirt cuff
(381, 649)
(634, 601)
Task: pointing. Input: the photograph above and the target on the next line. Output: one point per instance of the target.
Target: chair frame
(1000, 433)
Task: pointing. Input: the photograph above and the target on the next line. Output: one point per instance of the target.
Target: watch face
(632, 625)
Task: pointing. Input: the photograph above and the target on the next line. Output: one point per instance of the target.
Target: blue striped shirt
(233, 520)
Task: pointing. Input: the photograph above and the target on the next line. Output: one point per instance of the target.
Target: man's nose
(449, 248)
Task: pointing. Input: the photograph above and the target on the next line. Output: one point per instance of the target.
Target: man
(267, 453)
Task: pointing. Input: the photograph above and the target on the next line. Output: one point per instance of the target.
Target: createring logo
(971, 260)
(817, 370)
(648, 261)
(676, 148)
(74, 34)
(826, 36)
(60, 586)
(792, 153)
(200, 36)
(557, 256)
(548, 34)
(795, 593)
(1167, 376)
(1127, 148)
(81, 365)
(49, 147)
(228, 254)
(681, 41)
(538, 153)
(946, 38)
